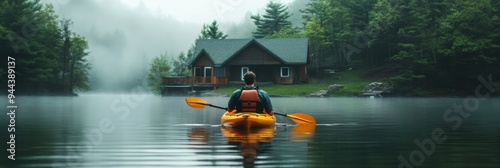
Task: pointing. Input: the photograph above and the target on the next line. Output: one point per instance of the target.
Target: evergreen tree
(287, 33)
(78, 66)
(275, 19)
(160, 67)
(181, 65)
(211, 32)
(30, 32)
(467, 42)
(318, 15)
(412, 59)
(65, 51)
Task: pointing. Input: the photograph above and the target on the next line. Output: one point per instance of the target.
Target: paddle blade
(301, 118)
(196, 102)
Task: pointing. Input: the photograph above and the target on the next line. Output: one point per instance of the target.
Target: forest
(49, 57)
(423, 47)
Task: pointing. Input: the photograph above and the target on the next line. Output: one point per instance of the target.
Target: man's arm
(268, 106)
(231, 105)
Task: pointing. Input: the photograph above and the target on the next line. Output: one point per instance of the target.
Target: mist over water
(122, 40)
(154, 131)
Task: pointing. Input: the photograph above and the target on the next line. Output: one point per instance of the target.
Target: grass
(354, 81)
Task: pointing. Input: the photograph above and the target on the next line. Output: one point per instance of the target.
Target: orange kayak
(247, 119)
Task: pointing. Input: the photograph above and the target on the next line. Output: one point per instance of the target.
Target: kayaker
(250, 98)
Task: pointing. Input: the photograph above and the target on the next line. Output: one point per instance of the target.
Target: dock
(181, 85)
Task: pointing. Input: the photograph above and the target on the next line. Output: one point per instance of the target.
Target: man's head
(249, 78)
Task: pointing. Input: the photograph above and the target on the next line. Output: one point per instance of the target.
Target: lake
(113, 130)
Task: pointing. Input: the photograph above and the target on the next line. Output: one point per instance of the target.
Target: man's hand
(271, 113)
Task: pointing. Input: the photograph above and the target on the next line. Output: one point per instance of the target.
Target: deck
(175, 85)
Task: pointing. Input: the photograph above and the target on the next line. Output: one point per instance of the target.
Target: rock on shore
(331, 89)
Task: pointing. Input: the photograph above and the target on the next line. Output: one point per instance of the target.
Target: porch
(182, 85)
(193, 81)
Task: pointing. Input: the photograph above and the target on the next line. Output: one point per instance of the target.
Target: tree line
(424, 47)
(49, 57)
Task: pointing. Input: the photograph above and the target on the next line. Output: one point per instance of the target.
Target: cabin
(219, 62)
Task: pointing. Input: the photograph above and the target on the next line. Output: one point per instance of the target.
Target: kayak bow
(247, 119)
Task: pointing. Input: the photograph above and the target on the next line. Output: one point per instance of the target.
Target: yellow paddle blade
(196, 102)
(301, 118)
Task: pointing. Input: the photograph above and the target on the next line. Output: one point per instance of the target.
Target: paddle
(200, 103)
(299, 118)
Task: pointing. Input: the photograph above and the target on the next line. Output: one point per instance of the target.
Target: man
(250, 98)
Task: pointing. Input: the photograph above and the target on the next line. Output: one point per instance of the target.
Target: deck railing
(174, 80)
(177, 80)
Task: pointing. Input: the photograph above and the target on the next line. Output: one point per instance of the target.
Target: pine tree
(32, 33)
(467, 35)
(275, 19)
(211, 32)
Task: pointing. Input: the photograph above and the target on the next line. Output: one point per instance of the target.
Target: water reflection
(303, 133)
(164, 132)
(249, 143)
(198, 136)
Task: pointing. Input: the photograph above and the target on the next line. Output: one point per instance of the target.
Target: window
(285, 72)
(220, 72)
(243, 71)
(208, 71)
(197, 71)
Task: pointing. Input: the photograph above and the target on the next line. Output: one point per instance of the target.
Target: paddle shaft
(224, 108)
(219, 107)
(298, 118)
(285, 115)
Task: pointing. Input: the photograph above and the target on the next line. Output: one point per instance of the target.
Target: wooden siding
(302, 74)
(286, 80)
(254, 55)
(172, 81)
(210, 81)
(265, 73)
(176, 80)
(203, 61)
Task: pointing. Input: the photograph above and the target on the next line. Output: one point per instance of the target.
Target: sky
(201, 11)
(125, 35)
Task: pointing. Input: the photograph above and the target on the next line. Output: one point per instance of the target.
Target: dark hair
(249, 77)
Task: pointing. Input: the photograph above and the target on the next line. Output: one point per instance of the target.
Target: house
(222, 62)
(218, 62)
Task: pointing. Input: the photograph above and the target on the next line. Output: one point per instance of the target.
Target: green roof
(287, 50)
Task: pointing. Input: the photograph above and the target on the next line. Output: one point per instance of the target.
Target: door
(243, 71)
(208, 74)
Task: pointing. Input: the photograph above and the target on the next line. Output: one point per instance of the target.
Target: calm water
(151, 131)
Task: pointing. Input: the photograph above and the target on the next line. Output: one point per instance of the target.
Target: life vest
(249, 101)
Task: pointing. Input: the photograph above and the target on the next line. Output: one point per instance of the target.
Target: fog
(123, 38)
